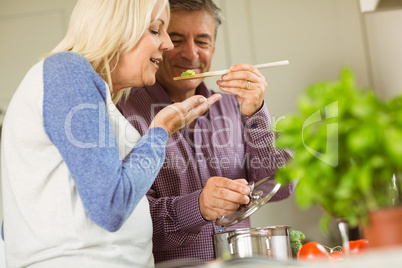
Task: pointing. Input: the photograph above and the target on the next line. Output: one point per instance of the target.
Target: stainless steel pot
(271, 241)
(281, 248)
(250, 243)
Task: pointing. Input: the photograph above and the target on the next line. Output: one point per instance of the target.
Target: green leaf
(393, 142)
(285, 175)
(286, 141)
(377, 161)
(290, 123)
(362, 140)
(365, 108)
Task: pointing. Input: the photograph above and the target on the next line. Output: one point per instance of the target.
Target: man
(209, 164)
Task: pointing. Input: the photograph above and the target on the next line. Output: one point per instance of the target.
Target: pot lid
(258, 198)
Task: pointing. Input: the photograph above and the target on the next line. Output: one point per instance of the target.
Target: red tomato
(336, 256)
(358, 246)
(313, 251)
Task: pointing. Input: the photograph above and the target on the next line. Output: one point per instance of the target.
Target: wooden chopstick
(222, 72)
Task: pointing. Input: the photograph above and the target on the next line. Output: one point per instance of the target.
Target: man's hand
(248, 84)
(222, 196)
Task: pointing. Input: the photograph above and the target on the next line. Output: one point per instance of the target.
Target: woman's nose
(167, 43)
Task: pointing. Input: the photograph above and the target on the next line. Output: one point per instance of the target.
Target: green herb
(188, 72)
(347, 145)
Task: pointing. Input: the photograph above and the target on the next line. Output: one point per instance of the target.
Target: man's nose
(190, 50)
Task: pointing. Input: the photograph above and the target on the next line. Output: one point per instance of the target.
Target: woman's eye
(155, 32)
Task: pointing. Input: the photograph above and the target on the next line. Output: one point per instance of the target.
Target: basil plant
(347, 150)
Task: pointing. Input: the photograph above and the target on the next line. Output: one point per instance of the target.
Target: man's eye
(176, 42)
(203, 44)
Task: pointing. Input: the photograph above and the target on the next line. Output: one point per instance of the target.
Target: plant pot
(384, 228)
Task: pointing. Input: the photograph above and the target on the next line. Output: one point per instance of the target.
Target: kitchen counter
(386, 258)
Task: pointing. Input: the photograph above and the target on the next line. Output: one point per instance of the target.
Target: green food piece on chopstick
(188, 72)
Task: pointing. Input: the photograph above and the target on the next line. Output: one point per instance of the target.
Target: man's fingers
(245, 67)
(232, 185)
(229, 200)
(237, 91)
(242, 181)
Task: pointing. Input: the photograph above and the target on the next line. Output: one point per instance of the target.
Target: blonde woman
(74, 171)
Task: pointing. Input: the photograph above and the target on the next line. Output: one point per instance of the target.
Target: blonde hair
(101, 30)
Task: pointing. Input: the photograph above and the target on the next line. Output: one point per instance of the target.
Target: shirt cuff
(188, 213)
(261, 115)
(160, 134)
(258, 125)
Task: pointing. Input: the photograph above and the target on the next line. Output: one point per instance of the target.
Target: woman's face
(137, 67)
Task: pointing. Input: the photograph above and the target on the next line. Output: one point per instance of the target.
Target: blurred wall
(384, 40)
(318, 37)
(28, 29)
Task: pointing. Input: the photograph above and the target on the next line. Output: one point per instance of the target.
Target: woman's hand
(174, 117)
(248, 84)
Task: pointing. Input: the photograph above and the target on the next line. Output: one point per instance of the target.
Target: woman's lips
(156, 62)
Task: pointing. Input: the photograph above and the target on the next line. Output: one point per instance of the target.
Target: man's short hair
(197, 5)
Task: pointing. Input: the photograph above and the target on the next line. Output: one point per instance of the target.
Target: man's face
(193, 37)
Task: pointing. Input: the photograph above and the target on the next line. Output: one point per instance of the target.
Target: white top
(60, 211)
